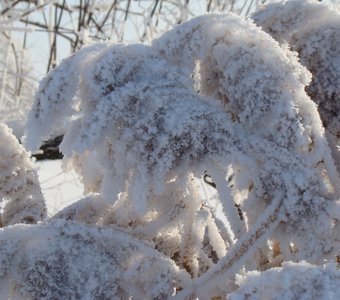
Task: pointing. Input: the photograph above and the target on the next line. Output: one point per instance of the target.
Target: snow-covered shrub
(260, 85)
(215, 97)
(313, 30)
(67, 260)
(20, 192)
(229, 64)
(292, 281)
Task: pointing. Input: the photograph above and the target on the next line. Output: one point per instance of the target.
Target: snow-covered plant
(215, 98)
(67, 260)
(313, 30)
(292, 281)
(16, 81)
(20, 194)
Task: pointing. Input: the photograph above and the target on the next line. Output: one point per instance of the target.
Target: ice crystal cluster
(203, 157)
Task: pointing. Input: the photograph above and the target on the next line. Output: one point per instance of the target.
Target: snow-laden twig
(236, 60)
(226, 198)
(244, 247)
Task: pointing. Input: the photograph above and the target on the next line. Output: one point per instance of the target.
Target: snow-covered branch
(312, 30)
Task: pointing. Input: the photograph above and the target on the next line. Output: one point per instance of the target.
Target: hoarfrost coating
(144, 125)
(291, 281)
(67, 260)
(313, 30)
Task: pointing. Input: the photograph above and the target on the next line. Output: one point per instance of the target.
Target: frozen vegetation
(20, 196)
(312, 30)
(292, 281)
(214, 102)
